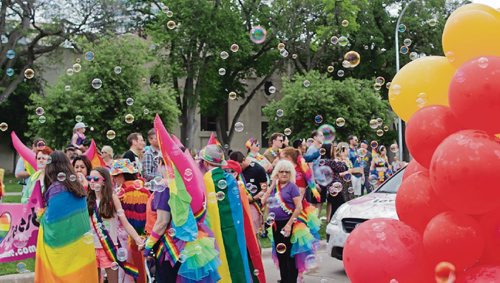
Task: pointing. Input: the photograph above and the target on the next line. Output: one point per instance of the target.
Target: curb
(18, 278)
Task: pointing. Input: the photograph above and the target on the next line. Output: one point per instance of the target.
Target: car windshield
(392, 185)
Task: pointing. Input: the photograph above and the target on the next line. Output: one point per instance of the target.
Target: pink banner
(19, 228)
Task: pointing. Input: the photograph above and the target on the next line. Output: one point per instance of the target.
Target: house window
(208, 123)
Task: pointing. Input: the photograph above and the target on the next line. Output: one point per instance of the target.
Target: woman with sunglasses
(82, 166)
(285, 205)
(253, 147)
(42, 157)
(106, 213)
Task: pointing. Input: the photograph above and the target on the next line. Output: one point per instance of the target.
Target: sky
(492, 3)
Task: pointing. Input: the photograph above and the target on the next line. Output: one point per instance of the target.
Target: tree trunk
(188, 127)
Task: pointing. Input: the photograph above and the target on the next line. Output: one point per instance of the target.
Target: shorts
(322, 192)
(356, 183)
(102, 259)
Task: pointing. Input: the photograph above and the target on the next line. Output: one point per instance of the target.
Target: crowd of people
(140, 223)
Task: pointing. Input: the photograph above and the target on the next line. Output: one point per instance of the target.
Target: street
(329, 270)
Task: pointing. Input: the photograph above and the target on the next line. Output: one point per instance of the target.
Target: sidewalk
(18, 278)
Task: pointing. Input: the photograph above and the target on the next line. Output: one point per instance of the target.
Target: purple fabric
(160, 201)
(288, 193)
(53, 190)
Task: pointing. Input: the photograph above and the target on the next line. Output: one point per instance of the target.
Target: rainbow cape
(308, 174)
(65, 248)
(93, 155)
(225, 219)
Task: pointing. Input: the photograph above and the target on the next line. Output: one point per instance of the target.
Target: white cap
(79, 125)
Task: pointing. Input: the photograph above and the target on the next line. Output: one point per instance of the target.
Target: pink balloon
(474, 94)
(481, 274)
(416, 202)
(464, 172)
(426, 129)
(412, 168)
(490, 223)
(454, 238)
(25, 152)
(381, 249)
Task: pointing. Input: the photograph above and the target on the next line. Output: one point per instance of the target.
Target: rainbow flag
(93, 155)
(65, 248)
(225, 219)
(213, 140)
(308, 174)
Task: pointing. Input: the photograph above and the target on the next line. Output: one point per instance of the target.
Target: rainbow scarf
(255, 204)
(109, 247)
(308, 174)
(225, 218)
(168, 246)
(65, 248)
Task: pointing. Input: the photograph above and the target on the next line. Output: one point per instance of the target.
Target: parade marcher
(253, 147)
(341, 175)
(64, 252)
(106, 213)
(380, 167)
(23, 169)
(272, 153)
(136, 147)
(151, 157)
(313, 157)
(358, 171)
(366, 161)
(42, 157)
(107, 155)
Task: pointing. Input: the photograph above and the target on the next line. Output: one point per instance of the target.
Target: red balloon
(377, 242)
(416, 202)
(454, 238)
(413, 167)
(464, 172)
(480, 274)
(474, 94)
(490, 223)
(426, 129)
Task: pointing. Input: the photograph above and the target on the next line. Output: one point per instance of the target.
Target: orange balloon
(420, 83)
(471, 31)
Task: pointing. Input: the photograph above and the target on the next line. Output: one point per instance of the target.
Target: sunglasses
(284, 172)
(95, 178)
(230, 171)
(40, 144)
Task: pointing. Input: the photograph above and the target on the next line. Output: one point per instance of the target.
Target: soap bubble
(280, 113)
(402, 28)
(324, 175)
(39, 111)
(330, 69)
(129, 101)
(272, 89)
(353, 58)
(234, 47)
(222, 72)
(306, 83)
(29, 73)
(77, 67)
(110, 135)
(220, 195)
(318, 119)
(9, 72)
(340, 73)
(328, 132)
(11, 54)
(171, 24)
(96, 83)
(345, 23)
(407, 42)
(89, 56)
(42, 119)
(340, 122)
(224, 55)
(334, 40)
(117, 70)
(343, 41)
(4, 126)
(121, 254)
(280, 248)
(222, 184)
(258, 34)
(239, 127)
(287, 131)
(129, 118)
(61, 176)
(233, 95)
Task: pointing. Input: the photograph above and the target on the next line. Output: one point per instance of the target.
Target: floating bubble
(69, 72)
(340, 122)
(222, 72)
(318, 119)
(350, 190)
(4, 126)
(120, 212)
(414, 56)
(294, 56)
(96, 83)
(222, 184)
(146, 111)
(345, 23)
(235, 47)
(61, 176)
(171, 24)
(386, 128)
(346, 64)
(311, 262)
(89, 56)
(444, 272)
(224, 55)
(42, 119)
(220, 195)
(39, 111)
(239, 127)
(114, 265)
(373, 144)
(117, 70)
(343, 41)
(169, 13)
(21, 267)
(334, 40)
(306, 83)
(322, 151)
(270, 221)
(394, 148)
(280, 113)
(67, 88)
(388, 85)
(121, 254)
(373, 124)
(280, 248)
(11, 54)
(78, 118)
(284, 53)
(88, 238)
(324, 175)
(256, 272)
(144, 80)
(29, 73)
(328, 132)
(281, 46)
(362, 152)
(404, 49)
(272, 89)
(330, 69)
(129, 118)
(380, 122)
(77, 67)
(253, 189)
(402, 28)
(380, 80)
(373, 179)
(340, 73)
(407, 42)
(171, 232)
(258, 34)
(353, 58)
(232, 95)
(377, 86)
(395, 89)
(188, 174)
(347, 177)
(483, 62)
(72, 177)
(380, 132)
(287, 131)
(129, 101)
(432, 22)
(9, 72)
(110, 135)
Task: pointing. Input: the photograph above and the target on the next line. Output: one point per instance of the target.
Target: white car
(380, 203)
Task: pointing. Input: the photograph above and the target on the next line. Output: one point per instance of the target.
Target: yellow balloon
(471, 31)
(420, 83)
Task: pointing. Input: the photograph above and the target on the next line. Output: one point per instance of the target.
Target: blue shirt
(355, 160)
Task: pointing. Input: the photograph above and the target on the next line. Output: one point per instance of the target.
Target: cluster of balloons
(448, 203)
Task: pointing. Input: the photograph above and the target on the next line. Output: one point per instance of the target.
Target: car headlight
(335, 220)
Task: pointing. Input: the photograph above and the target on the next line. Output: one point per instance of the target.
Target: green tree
(351, 99)
(105, 108)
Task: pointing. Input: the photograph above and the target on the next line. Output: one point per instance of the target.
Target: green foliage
(105, 108)
(352, 99)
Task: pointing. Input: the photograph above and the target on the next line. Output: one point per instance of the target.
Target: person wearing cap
(133, 197)
(225, 216)
(78, 135)
(253, 147)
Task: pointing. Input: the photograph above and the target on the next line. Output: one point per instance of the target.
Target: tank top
(111, 225)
